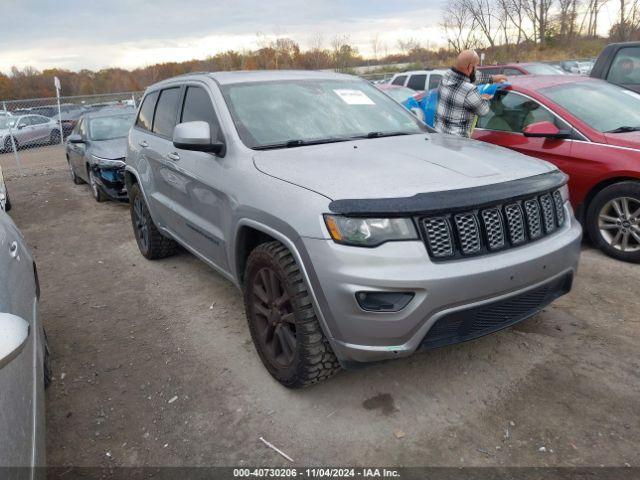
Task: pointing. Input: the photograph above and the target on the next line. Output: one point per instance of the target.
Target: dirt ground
(154, 364)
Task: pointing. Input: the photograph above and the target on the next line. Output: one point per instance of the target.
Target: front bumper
(111, 181)
(357, 336)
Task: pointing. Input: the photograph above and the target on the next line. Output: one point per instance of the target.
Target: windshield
(542, 69)
(292, 113)
(108, 128)
(400, 94)
(601, 105)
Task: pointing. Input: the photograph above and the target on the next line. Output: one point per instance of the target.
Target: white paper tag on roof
(353, 97)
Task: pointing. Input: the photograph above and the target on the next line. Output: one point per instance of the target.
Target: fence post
(133, 99)
(56, 81)
(13, 143)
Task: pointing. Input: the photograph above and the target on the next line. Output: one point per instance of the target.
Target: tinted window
(166, 111)
(399, 80)
(491, 71)
(198, 106)
(625, 69)
(601, 105)
(38, 120)
(145, 117)
(434, 80)
(511, 112)
(416, 82)
(512, 71)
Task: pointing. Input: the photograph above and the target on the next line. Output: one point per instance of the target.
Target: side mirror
(545, 130)
(196, 136)
(75, 138)
(14, 332)
(21, 126)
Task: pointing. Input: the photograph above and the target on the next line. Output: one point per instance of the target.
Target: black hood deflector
(451, 200)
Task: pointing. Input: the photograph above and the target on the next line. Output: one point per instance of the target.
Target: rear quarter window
(145, 116)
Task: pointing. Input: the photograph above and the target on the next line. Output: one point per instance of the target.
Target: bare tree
(375, 46)
(538, 13)
(459, 25)
(513, 11)
(482, 12)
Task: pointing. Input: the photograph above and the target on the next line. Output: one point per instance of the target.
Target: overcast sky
(76, 34)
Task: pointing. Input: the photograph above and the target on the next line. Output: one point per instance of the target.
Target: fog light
(383, 301)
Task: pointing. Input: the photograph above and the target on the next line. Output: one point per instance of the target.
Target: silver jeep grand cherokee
(355, 233)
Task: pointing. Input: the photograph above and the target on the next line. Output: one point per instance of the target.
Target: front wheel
(282, 320)
(152, 244)
(96, 189)
(613, 221)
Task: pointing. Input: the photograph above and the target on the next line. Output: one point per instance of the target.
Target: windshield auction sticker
(353, 97)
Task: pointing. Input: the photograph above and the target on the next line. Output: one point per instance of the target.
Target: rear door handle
(173, 156)
(143, 144)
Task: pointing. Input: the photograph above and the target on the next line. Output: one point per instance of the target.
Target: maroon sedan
(590, 129)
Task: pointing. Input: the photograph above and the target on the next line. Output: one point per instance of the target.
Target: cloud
(79, 34)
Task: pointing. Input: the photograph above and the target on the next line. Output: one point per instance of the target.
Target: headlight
(107, 162)
(369, 232)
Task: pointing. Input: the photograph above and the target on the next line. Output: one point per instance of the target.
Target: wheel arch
(597, 188)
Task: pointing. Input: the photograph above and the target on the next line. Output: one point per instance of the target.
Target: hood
(397, 166)
(629, 139)
(110, 149)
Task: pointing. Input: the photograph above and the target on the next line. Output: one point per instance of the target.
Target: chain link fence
(31, 127)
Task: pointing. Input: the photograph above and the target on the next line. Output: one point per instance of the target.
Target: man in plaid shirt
(459, 100)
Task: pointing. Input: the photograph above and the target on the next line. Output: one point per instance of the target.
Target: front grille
(477, 321)
(494, 227)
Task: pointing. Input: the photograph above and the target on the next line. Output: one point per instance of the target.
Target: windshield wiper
(301, 143)
(623, 129)
(383, 134)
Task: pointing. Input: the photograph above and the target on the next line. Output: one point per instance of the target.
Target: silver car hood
(111, 149)
(397, 166)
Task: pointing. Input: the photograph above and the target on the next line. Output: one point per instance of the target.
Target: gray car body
(21, 354)
(209, 204)
(27, 134)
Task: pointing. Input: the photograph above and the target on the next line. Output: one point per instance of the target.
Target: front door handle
(13, 249)
(173, 156)
(143, 144)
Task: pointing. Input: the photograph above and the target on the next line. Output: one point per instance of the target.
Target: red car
(517, 69)
(588, 128)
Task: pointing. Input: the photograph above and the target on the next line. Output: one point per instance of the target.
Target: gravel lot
(154, 364)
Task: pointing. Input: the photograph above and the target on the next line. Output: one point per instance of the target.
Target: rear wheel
(54, 137)
(282, 320)
(613, 221)
(152, 244)
(74, 178)
(8, 145)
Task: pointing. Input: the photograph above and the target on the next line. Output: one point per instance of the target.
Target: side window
(511, 112)
(417, 82)
(399, 80)
(625, 69)
(39, 120)
(512, 72)
(24, 121)
(197, 106)
(145, 117)
(434, 81)
(165, 117)
(490, 71)
(83, 128)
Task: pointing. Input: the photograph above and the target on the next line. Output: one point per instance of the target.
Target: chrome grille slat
(559, 204)
(534, 223)
(515, 223)
(439, 236)
(492, 228)
(468, 232)
(548, 216)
